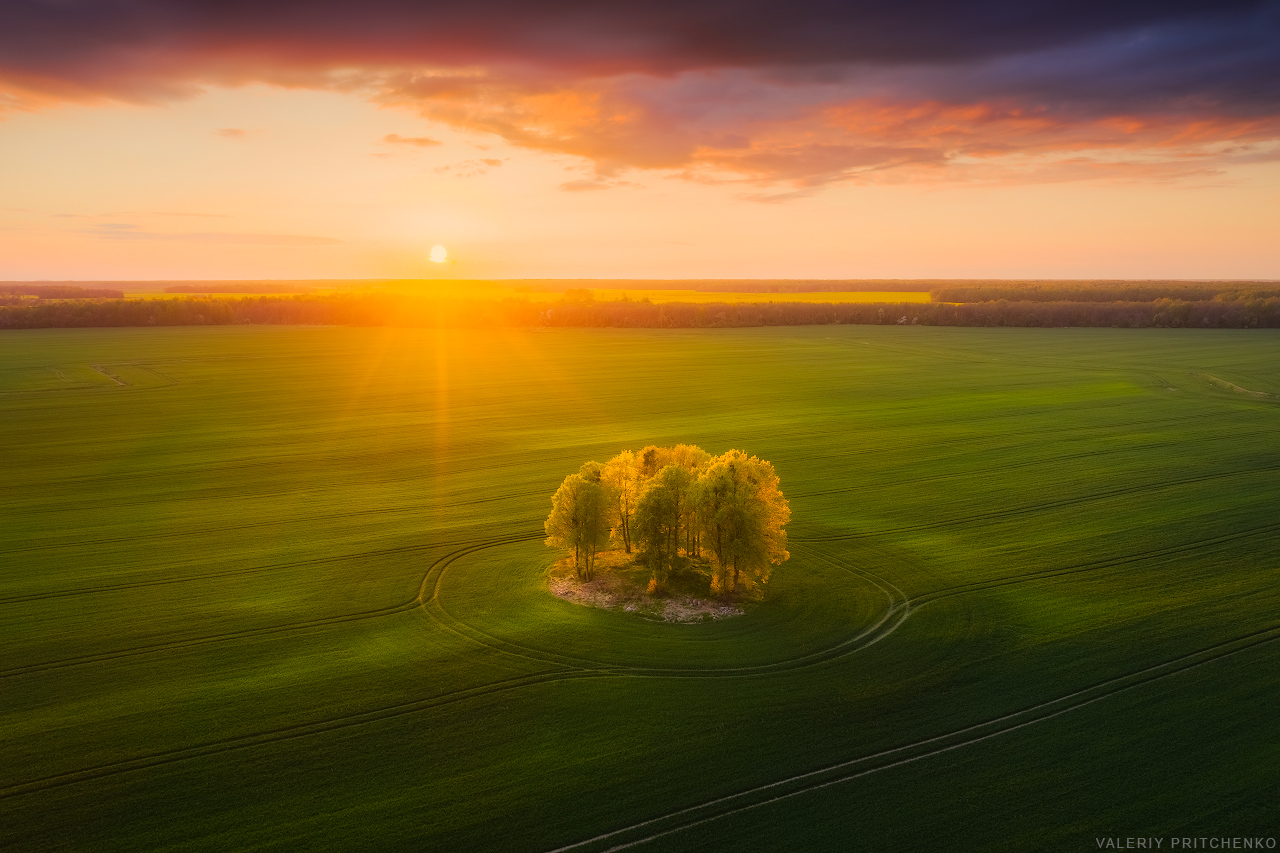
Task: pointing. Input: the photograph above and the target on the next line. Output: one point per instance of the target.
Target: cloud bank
(765, 93)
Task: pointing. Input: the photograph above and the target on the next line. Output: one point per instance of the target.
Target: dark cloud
(805, 92)
(159, 45)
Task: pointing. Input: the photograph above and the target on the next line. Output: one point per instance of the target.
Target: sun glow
(439, 254)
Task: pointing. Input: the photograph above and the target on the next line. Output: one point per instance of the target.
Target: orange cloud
(800, 94)
(808, 138)
(417, 141)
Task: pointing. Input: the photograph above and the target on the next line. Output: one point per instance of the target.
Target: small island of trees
(674, 510)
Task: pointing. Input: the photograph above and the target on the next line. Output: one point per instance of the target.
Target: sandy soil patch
(611, 592)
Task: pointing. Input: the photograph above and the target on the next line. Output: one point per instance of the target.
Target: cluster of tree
(1101, 291)
(395, 309)
(672, 505)
(59, 291)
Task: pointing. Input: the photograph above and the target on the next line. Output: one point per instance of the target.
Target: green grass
(283, 589)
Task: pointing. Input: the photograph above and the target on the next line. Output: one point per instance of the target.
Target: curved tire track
(281, 734)
(250, 633)
(1095, 565)
(808, 781)
(315, 561)
(803, 783)
(1029, 509)
(895, 613)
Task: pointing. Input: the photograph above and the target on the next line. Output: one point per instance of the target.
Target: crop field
(283, 588)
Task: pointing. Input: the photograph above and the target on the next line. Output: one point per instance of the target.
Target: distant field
(281, 588)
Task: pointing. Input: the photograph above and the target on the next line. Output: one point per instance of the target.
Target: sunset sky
(163, 139)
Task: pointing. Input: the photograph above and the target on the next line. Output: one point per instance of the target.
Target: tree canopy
(671, 503)
(581, 512)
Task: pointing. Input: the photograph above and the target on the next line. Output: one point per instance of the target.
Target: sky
(190, 139)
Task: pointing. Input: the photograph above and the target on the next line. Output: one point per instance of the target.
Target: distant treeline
(329, 309)
(388, 309)
(1258, 313)
(724, 285)
(1102, 291)
(243, 287)
(942, 290)
(59, 291)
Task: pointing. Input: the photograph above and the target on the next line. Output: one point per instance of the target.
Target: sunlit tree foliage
(581, 514)
(743, 514)
(659, 517)
(670, 503)
(623, 477)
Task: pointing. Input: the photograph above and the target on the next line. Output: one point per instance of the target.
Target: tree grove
(672, 504)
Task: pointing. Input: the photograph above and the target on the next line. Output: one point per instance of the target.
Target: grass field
(282, 589)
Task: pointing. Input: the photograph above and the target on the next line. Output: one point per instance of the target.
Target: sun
(439, 254)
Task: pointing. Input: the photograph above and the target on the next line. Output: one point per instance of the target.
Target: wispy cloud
(120, 213)
(128, 231)
(585, 185)
(598, 183)
(469, 168)
(419, 141)
(179, 213)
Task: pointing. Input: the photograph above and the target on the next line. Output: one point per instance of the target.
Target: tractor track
(430, 582)
(1107, 563)
(282, 734)
(900, 607)
(250, 633)
(218, 531)
(1031, 463)
(1030, 509)
(813, 780)
(897, 612)
(250, 570)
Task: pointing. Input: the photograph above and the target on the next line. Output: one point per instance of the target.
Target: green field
(283, 589)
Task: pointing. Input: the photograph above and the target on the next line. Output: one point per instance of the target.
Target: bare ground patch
(620, 584)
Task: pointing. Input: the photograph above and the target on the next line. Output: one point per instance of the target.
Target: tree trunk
(625, 524)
